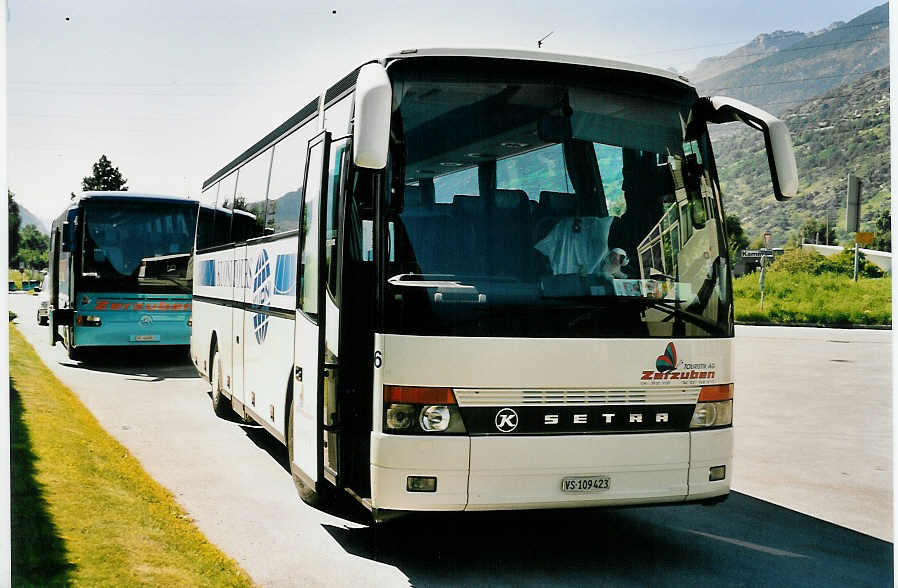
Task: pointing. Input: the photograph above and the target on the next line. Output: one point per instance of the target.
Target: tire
(221, 404)
(73, 353)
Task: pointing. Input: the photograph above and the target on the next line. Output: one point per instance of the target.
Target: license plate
(581, 484)
(145, 337)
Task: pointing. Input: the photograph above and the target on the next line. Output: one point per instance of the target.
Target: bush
(811, 262)
(843, 263)
(798, 261)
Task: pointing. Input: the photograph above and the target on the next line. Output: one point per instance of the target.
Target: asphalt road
(813, 435)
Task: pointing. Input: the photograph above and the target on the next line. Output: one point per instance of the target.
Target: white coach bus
(482, 279)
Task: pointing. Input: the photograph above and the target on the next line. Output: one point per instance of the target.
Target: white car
(43, 309)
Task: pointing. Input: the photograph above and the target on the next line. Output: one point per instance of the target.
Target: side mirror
(780, 153)
(373, 110)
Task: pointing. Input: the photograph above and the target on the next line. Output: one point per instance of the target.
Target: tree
(736, 239)
(15, 221)
(882, 239)
(814, 231)
(34, 249)
(105, 177)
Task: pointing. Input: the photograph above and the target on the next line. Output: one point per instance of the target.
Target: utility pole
(853, 213)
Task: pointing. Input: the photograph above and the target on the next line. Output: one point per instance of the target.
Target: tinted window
(308, 293)
(252, 188)
(205, 228)
(285, 187)
(222, 226)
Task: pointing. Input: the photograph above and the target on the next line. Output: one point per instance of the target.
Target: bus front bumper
(526, 472)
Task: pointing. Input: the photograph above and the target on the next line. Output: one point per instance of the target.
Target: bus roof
(527, 55)
(126, 195)
(349, 80)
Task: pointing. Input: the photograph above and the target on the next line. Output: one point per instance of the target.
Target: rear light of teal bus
(421, 410)
(87, 320)
(714, 407)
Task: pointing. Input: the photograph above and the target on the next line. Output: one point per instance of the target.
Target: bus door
(237, 332)
(308, 348)
(62, 277)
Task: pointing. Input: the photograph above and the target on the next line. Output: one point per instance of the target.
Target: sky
(172, 91)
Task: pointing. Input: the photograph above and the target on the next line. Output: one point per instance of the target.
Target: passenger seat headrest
(511, 198)
(467, 203)
(558, 203)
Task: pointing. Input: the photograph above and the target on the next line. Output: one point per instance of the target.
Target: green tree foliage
(736, 239)
(34, 250)
(104, 177)
(817, 232)
(14, 222)
(882, 238)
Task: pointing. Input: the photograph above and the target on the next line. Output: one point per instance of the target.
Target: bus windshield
(137, 246)
(541, 200)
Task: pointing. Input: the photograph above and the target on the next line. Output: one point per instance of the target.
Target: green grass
(84, 511)
(825, 299)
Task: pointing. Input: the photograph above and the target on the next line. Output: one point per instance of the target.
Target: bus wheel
(74, 354)
(221, 404)
(306, 493)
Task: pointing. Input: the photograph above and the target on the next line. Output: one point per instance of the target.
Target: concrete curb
(817, 325)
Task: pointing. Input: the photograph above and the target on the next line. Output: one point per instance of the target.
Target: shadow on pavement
(39, 556)
(156, 364)
(741, 542)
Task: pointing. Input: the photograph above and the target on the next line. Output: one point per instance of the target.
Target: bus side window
(285, 185)
(308, 275)
(252, 189)
(336, 116)
(222, 226)
(332, 226)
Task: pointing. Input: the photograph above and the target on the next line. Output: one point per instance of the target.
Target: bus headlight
(400, 416)
(712, 414)
(434, 418)
(714, 407)
(421, 410)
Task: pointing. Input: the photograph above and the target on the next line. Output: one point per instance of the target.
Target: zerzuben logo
(506, 420)
(669, 367)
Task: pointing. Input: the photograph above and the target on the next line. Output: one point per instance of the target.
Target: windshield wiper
(673, 310)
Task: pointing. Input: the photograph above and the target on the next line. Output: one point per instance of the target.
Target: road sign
(863, 238)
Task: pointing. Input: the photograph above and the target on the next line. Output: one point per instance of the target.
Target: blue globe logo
(261, 294)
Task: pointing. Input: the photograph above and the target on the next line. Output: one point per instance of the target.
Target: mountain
(844, 130)
(29, 218)
(759, 48)
(794, 73)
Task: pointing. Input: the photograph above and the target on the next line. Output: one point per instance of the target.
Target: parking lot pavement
(813, 422)
(232, 481)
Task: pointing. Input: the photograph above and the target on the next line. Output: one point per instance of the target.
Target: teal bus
(120, 272)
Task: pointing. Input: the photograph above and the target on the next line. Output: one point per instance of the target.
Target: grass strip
(84, 511)
(826, 299)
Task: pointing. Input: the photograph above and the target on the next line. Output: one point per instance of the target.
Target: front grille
(504, 397)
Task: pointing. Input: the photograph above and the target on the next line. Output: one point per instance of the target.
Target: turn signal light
(716, 393)
(418, 395)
